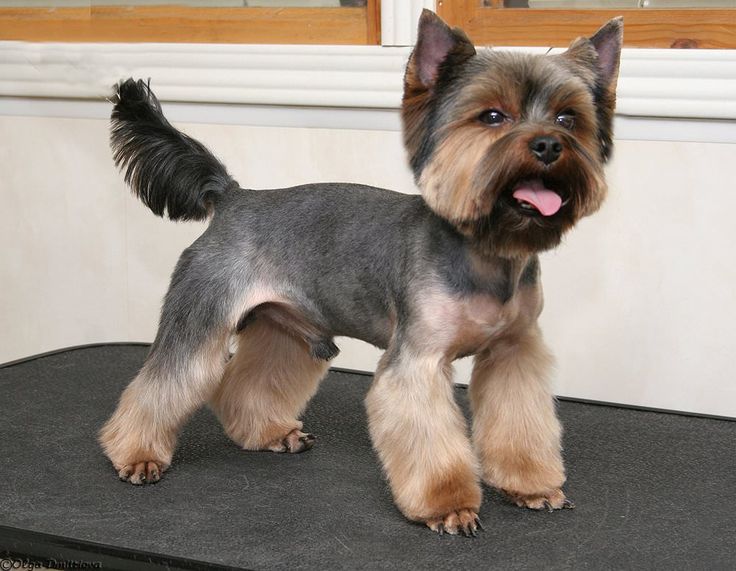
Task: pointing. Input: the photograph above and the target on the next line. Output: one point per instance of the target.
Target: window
(219, 21)
(648, 23)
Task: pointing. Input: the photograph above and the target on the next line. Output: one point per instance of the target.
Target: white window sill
(694, 84)
(662, 94)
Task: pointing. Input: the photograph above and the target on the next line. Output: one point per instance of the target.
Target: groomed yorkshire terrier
(508, 150)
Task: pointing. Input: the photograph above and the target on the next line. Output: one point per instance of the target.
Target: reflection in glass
(200, 3)
(610, 4)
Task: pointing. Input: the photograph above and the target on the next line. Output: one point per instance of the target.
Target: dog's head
(510, 147)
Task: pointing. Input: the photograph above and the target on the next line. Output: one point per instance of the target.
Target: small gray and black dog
(508, 150)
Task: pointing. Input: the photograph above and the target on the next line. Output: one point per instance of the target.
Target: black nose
(547, 149)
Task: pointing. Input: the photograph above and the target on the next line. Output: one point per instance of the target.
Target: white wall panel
(62, 250)
(641, 297)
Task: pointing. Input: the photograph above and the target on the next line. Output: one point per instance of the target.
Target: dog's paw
(554, 500)
(465, 522)
(143, 472)
(294, 442)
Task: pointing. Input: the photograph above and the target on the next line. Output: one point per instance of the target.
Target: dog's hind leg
(515, 429)
(176, 379)
(266, 386)
(185, 363)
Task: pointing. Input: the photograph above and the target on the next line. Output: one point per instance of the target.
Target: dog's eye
(492, 117)
(566, 119)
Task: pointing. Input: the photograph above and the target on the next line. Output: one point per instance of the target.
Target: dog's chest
(463, 325)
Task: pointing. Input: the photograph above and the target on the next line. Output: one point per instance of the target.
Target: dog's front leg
(420, 436)
(515, 427)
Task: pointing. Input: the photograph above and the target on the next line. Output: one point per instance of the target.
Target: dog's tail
(165, 168)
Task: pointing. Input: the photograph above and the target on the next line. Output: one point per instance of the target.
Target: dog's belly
(316, 321)
(447, 324)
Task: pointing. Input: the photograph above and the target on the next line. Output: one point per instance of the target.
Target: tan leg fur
(266, 386)
(140, 437)
(420, 436)
(515, 428)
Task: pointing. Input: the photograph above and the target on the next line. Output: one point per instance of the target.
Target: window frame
(643, 27)
(187, 24)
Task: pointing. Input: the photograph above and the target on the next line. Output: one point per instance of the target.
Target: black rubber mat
(652, 490)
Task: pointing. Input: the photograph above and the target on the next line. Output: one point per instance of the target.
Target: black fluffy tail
(166, 169)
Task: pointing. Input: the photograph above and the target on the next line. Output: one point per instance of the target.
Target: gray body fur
(325, 260)
(351, 259)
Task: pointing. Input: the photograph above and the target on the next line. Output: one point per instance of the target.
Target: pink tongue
(546, 201)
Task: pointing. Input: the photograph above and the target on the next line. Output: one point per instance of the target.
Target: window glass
(201, 3)
(610, 4)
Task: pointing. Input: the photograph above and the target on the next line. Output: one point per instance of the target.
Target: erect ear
(607, 42)
(436, 44)
(601, 53)
(597, 60)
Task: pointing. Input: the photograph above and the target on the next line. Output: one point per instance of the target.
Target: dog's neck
(481, 242)
(488, 265)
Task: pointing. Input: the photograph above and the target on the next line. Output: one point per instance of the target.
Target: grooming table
(652, 490)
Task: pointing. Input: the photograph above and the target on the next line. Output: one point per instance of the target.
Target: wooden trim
(176, 24)
(643, 28)
(373, 22)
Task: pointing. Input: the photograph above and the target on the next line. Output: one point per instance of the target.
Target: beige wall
(640, 304)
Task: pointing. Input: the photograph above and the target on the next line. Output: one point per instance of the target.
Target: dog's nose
(547, 149)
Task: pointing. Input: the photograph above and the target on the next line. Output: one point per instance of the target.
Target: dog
(508, 150)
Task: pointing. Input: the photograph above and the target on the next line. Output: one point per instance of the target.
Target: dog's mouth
(532, 197)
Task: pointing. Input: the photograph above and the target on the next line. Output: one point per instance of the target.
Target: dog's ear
(437, 45)
(596, 60)
(438, 50)
(601, 53)
(607, 42)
